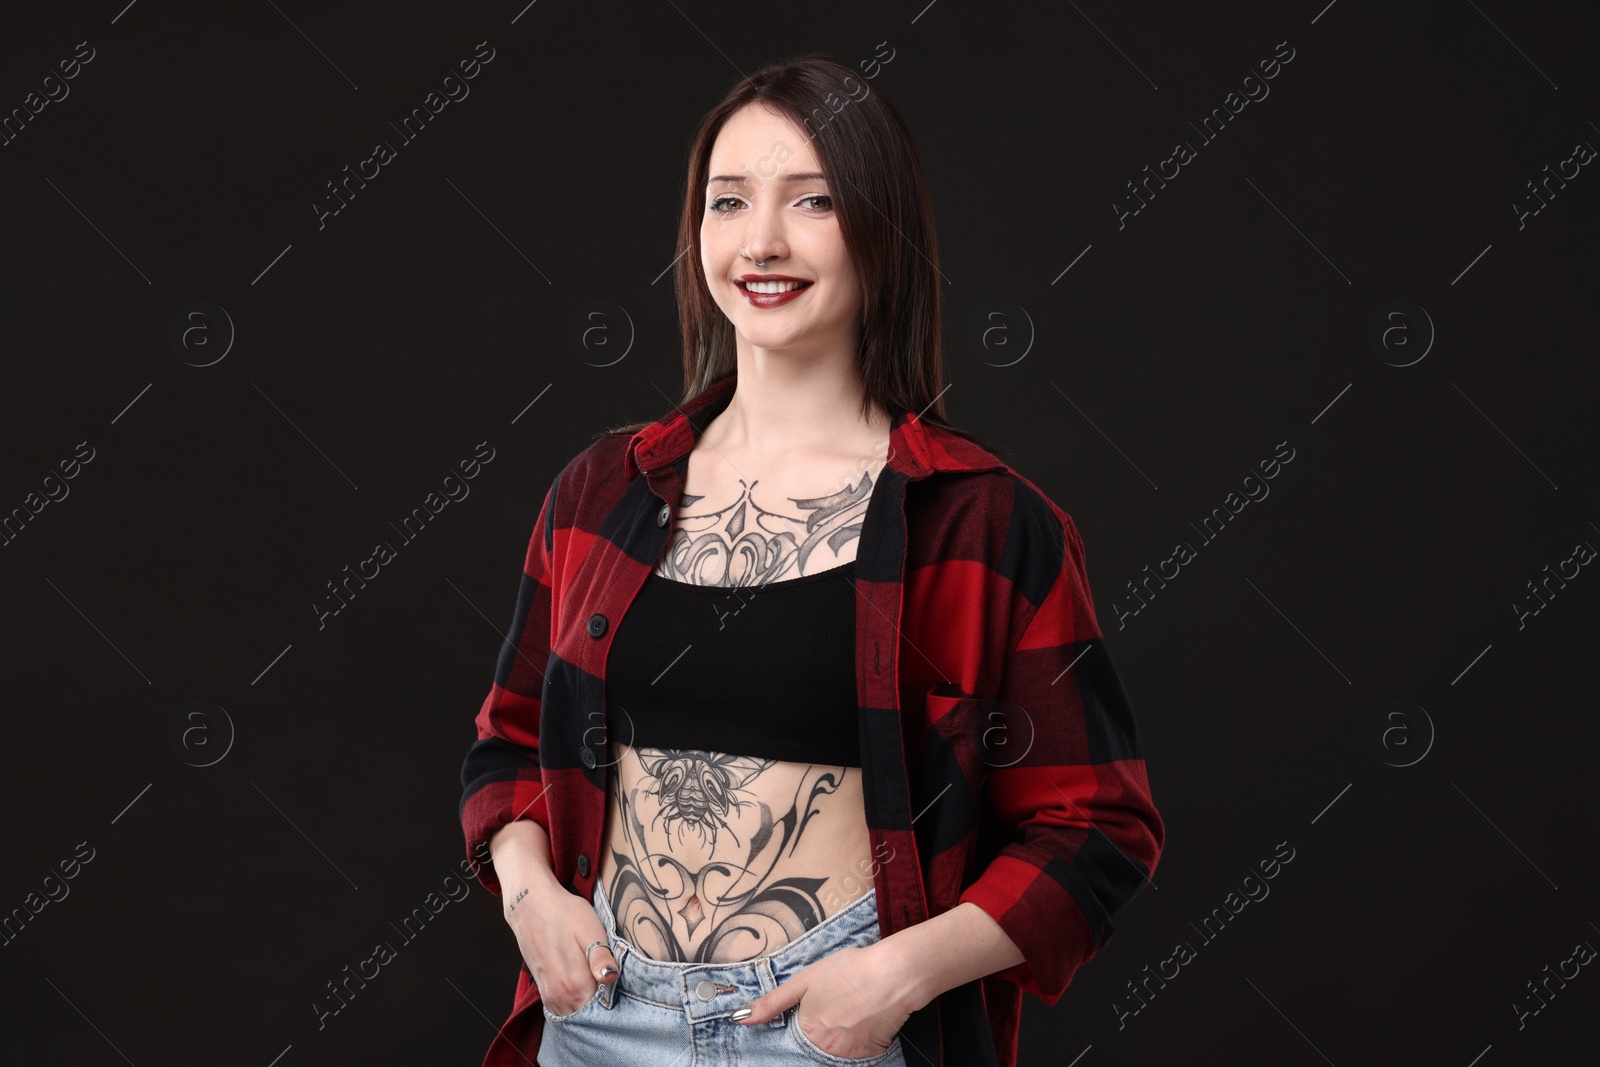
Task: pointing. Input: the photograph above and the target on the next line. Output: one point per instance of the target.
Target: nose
(763, 233)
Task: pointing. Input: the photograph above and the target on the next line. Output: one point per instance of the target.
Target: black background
(371, 355)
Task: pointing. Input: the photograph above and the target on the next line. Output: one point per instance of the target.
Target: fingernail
(607, 969)
(742, 1013)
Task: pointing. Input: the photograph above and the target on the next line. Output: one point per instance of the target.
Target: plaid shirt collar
(917, 448)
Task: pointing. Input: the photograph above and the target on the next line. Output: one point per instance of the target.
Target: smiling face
(766, 195)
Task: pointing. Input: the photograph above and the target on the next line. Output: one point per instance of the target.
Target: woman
(803, 746)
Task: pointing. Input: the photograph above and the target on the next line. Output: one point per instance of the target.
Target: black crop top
(766, 671)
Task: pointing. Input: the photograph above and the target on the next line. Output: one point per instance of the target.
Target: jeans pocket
(828, 1058)
(591, 1002)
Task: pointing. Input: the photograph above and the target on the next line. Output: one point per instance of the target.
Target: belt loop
(769, 982)
(608, 993)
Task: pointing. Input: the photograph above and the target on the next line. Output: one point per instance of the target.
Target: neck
(782, 405)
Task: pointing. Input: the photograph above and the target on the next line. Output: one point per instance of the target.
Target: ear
(769, 1006)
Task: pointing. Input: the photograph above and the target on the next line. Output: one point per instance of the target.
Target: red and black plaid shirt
(999, 757)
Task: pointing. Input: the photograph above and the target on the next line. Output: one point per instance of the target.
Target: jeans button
(705, 989)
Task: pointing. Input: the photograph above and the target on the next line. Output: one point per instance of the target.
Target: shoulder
(572, 500)
(596, 472)
(999, 514)
(601, 459)
(972, 476)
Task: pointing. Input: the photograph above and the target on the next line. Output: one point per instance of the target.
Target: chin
(774, 342)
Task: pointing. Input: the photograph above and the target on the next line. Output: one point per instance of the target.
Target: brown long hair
(885, 217)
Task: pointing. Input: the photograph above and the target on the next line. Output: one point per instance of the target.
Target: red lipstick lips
(771, 300)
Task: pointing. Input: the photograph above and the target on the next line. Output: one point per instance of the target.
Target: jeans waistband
(708, 990)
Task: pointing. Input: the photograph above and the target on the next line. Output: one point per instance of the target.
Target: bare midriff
(712, 857)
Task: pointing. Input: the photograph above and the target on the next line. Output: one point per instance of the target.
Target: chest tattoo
(744, 544)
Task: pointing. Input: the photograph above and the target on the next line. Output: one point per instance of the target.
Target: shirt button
(705, 990)
(588, 758)
(583, 865)
(597, 625)
(663, 515)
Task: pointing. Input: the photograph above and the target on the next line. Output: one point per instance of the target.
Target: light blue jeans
(676, 1014)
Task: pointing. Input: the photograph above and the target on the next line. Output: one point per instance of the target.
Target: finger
(604, 965)
(560, 1002)
(600, 963)
(769, 1006)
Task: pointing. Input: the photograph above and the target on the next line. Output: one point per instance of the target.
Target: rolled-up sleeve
(1081, 834)
(500, 775)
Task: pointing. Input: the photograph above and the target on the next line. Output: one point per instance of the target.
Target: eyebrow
(738, 179)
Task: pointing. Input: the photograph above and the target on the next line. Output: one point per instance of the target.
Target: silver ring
(591, 948)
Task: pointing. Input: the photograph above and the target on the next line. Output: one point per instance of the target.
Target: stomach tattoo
(713, 857)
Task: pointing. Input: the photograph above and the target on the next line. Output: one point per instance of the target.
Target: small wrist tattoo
(513, 905)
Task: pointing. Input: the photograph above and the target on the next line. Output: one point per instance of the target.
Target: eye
(827, 201)
(712, 207)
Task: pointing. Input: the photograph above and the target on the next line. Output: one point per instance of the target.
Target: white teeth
(771, 287)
